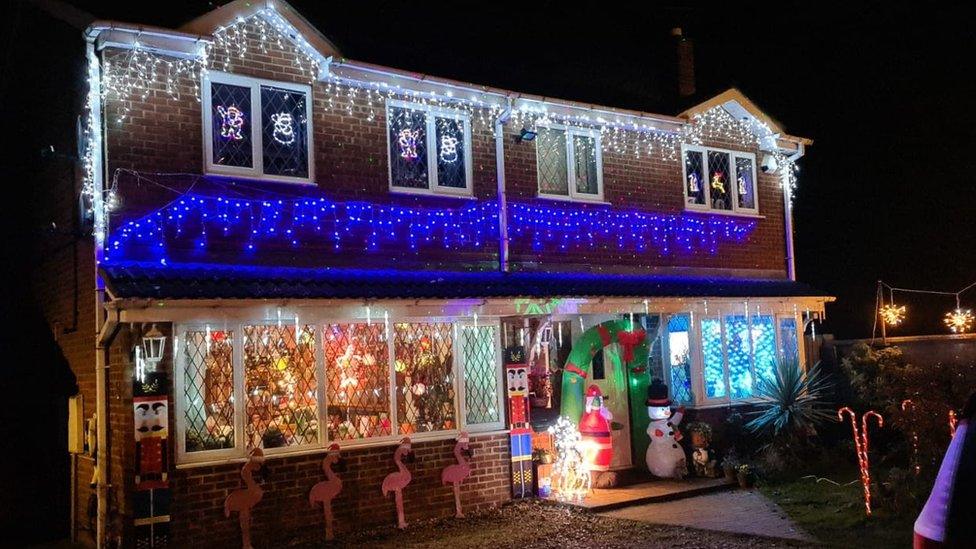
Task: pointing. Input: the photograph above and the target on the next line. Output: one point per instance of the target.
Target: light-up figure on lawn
(665, 457)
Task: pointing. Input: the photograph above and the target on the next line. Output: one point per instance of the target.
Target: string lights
(905, 406)
(861, 447)
(892, 315)
(958, 320)
(571, 475)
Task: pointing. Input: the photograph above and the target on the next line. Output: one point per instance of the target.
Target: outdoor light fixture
(526, 135)
(153, 343)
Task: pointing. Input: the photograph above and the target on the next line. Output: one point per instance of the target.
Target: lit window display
(787, 337)
(679, 358)
(714, 361)
(357, 370)
(480, 374)
(424, 363)
(764, 346)
(208, 387)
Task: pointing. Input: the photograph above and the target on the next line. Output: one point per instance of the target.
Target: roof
(204, 281)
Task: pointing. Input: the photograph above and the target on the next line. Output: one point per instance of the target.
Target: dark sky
(884, 89)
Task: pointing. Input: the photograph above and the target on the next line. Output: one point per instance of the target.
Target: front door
(611, 378)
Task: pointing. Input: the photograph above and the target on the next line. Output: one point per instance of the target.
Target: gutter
(108, 328)
(500, 176)
(788, 216)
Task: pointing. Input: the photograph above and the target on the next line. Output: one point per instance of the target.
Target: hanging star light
(959, 320)
(892, 314)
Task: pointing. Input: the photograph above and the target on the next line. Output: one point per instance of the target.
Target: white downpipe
(500, 177)
(788, 215)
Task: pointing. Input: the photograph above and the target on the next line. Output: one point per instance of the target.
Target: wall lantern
(153, 344)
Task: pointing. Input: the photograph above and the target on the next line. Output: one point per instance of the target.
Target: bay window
(719, 180)
(569, 163)
(429, 149)
(287, 386)
(257, 128)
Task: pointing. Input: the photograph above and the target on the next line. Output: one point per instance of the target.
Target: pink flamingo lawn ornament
(861, 447)
(396, 482)
(456, 473)
(326, 490)
(244, 500)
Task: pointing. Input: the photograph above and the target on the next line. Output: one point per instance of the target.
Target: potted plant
(746, 476)
(542, 456)
(730, 465)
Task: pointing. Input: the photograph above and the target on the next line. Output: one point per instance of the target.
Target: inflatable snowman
(665, 457)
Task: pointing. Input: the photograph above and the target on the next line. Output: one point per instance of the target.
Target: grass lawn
(835, 516)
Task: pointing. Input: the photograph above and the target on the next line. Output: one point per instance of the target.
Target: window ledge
(708, 211)
(560, 198)
(350, 445)
(726, 404)
(405, 191)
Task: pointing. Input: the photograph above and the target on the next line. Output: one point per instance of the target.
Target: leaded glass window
(481, 389)
(695, 177)
(284, 128)
(585, 159)
(280, 385)
(357, 370)
(408, 147)
(208, 390)
(713, 358)
(764, 346)
(745, 182)
(720, 180)
(738, 344)
(789, 346)
(679, 358)
(451, 153)
(231, 143)
(551, 153)
(424, 363)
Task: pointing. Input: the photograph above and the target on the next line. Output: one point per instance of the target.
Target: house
(293, 249)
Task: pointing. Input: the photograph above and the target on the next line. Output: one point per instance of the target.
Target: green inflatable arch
(634, 374)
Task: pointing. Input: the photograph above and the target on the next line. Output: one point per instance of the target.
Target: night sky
(886, 191)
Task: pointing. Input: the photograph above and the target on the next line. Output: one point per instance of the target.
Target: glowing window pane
(424, 361)
(695, 183)
(720, 180)
(584, 151)
(480, 375)
(550, 147)
(451, 161)
(738, 346)
(764, 345)
(357, 370)
(745, 185)
(787, 337)
(280, 384)
(679, 358)
(712, 354)
(284, 131)
(408, 147)
(208, 390)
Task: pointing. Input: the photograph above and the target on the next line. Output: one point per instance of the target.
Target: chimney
(685, 57)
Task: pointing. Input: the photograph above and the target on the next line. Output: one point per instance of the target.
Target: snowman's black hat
(657, 394)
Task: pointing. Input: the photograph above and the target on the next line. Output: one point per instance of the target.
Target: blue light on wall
(738, 346)
(217, 223)
(764, 345)
(713, 360)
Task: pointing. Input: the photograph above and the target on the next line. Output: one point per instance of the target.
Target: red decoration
(243, 501)
(570, 367)
(594, 427)
(604, 334)
(629, 340)
(861, 447)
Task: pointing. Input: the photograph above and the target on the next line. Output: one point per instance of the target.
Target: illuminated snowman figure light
(284, 130)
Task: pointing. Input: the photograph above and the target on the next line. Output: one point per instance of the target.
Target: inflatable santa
(594, 426)
(949, 516)
(665, 457)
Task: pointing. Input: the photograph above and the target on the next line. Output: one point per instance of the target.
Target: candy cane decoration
(905, 405)
(861, 446)
(952, 423)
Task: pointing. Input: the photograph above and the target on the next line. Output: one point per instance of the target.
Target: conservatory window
(257, 128)
(423, 355)
(737, 350)
(208, 390)
(713, 358)
(357, 370)
(480, 359)
(569, 163)
(679, 358)
(429, 149)
(280, 386)
(719, 180)
(788, 338)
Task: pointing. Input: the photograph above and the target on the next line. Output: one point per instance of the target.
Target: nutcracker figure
(517, 376)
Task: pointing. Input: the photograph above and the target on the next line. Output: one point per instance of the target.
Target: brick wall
(284, 515)
(163, 136)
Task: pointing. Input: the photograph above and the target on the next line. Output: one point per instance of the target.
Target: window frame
(433, 185)
(573, 194)
(707, 206)
(256, 171)
(320, 324)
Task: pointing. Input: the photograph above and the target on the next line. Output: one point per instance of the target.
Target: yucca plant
(791, 401)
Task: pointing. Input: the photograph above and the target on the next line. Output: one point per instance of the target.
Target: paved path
(741, 511)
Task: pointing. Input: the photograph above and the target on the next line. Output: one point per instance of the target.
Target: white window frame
(319, 324)
(666, 354)
(256, 170)
(571, 164)
(707, 206)
(433, 185)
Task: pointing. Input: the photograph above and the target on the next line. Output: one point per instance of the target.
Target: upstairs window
(569, 163)
(257, 128)
(429, 149)
(719, 180)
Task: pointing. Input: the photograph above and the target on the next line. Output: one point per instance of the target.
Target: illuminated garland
(861, 447)
(193, 221)
(957, 320)
(571, 475)
(905, 405)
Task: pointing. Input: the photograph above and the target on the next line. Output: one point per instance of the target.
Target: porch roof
(204, 281)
